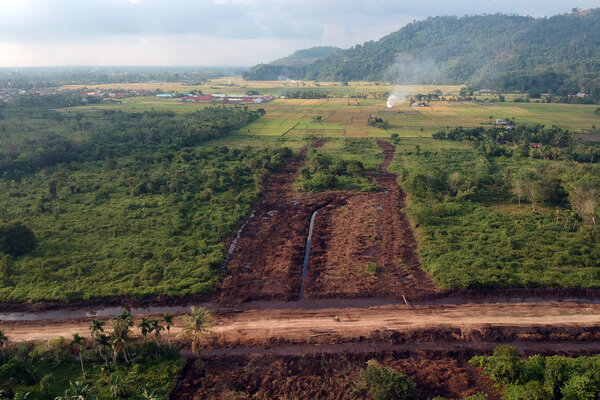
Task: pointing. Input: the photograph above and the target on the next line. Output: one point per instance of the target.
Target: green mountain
(293, 65)
(307, 56)
(560, 54)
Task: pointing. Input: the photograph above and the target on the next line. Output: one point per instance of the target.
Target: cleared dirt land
(366, 248)
(362, 245)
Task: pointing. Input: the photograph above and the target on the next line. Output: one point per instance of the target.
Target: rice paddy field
(344, 116)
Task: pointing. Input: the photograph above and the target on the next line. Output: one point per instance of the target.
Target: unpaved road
(257, 327)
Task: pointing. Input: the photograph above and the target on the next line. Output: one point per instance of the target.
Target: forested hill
(307, 56)
(561, 53)
(293, 65)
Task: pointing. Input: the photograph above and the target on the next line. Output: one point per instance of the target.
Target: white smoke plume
(399, 95)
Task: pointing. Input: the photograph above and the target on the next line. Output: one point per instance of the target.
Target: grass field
(346, 117)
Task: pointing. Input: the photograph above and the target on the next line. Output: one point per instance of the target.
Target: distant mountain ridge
(293, 65)
(307, 56)
(556, 54)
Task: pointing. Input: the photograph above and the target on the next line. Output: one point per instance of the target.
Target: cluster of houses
(119, 94)
(578, 95)
(7, 94)
(504, 123)
(224, 98)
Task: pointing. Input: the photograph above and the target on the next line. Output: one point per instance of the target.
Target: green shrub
(16, 239)
(384, 383)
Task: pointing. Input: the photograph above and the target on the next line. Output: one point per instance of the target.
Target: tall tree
(584, 198)
(120, 336)
(79, 343)
(196, 324)
(145, 327)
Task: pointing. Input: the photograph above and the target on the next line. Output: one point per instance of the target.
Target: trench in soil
(307, 254)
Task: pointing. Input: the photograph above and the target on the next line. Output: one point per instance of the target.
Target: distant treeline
(305, 94)
(31, 78)
(533, 140)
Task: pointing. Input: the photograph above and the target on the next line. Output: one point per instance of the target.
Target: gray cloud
(256, 27)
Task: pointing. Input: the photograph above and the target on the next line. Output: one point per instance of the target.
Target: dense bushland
(122, 204)
(147, 224)
(111, 134)
(544, 378)
(503, 222)
(339, 166)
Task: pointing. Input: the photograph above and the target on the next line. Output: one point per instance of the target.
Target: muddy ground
(366, 248)
(267, 261)
(320, 376)
(362, 245)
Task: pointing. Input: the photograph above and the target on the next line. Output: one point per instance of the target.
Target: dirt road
(260, 327)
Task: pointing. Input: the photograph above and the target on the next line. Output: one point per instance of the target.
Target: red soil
(362, 243)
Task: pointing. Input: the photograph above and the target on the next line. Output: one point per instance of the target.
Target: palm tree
(3, 340)
(126, 316)
(156, 327)
(103, 341)
(97, 326)
(145, 327)
(120, 337)
(196, 324)
(168, 320)
(96, 329)
(78, 341)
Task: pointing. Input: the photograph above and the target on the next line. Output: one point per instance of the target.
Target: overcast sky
(215, 32)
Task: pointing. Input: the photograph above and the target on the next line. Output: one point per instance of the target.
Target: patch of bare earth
(362, 244)
(318, 376)
(267, 261)
(366, 248)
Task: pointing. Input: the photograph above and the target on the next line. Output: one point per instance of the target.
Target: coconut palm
(78, 341)
(168, 320)
(156, 327)
(145, 327)
(126, 316)
(103, 341)
(97, 326)
(196, 324)
(120, 337)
